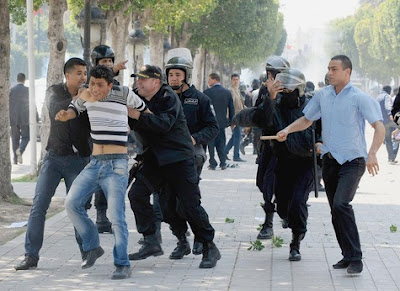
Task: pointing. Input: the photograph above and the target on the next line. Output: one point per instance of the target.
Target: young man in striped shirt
(108, 169)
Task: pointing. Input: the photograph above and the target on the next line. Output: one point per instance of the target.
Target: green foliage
(229, 220)
(277, 241)
(256, 246)
(240, 32)
(259, 227)
(393, 228)
(18, 9)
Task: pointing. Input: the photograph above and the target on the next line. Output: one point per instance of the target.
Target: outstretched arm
(300, 124)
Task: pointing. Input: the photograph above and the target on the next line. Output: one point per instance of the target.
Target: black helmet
(102, 52)
(292, 79)
(181, 64)
(276, 64)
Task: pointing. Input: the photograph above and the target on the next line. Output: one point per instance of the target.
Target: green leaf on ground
(393, 228)
(229, 220)
(277, 241)
(256, 246)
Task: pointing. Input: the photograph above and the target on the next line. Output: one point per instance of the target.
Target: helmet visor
(288, 81)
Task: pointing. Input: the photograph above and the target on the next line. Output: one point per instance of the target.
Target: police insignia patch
(191, 101)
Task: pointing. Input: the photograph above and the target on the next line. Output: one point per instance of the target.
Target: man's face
(99, 88)
(176, 77)
(235, 82)
(76, 77)
(146, 86)
(106, 62)
(336, 74)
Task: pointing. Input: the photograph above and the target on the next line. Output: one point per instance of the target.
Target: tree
(6, 189)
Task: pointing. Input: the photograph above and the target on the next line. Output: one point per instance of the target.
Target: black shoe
(151, 247)
(265, 233)
(27, 263)
(211, 255)
(223, 167)
(197, 248)
(121, 272)
(91, 257)
(355, 267)
(211, 168)
(238, 160)
(141, 241)
(294, 255)
(285, 223)
(342, 264)
(182, 249)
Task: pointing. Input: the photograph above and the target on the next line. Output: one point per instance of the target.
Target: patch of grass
(277, 241)
(259, 227)
(229, 220)
(256, 246)
(26, 178)
(393, 228)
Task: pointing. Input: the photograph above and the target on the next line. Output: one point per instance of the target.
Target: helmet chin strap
(176, 88)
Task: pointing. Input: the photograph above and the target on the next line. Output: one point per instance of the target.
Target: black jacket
(200, 118)
(164, 131)
(19, 105)
(64, 135)
(222, 101)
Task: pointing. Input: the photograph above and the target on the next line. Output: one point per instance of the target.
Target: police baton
(315, 164)
(268, 137)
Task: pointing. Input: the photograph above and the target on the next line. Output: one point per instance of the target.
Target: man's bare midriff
(107, 149)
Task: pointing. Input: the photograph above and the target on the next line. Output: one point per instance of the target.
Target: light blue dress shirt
(343, 118)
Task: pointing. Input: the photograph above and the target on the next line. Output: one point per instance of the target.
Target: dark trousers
(19, 138)
(183, 181)
(341, 182)
(100, 201)
(266, 176)
(219, 144)
(294, 179)
(392, 153)
(234, 142)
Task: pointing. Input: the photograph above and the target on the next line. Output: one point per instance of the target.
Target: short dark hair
(102, 72)
(21, 77)
(71, 63)
(215, 77)
(346, 63)
(387, 89)
(234, 75)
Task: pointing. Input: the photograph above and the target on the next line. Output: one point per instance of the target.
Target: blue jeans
(110, 174)
(341, 183)
(53, 169)
(234, 142)
(392, 152)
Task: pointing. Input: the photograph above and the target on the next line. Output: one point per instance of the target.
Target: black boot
(295, 247)
(197, 248)
(267, 230)
(182, 248)
(211, 255)
(102, 222)
(151, 247)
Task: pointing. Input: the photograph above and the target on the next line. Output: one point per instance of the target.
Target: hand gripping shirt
(343, 118)
(109, 117)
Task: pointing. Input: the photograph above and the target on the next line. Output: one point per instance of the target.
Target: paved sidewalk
(229, 194)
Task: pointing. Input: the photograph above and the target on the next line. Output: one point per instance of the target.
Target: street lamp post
(92, 27)
(137, 36)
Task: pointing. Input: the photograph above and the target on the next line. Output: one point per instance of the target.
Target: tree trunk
(118, 30)
(156, 40)
(6, 189)
(58, 46)
(199, 74)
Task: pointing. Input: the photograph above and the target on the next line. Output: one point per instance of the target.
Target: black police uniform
(168, 157)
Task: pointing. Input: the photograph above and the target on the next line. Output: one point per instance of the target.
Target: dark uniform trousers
(182, 180)
(341, 182)
(294, 180)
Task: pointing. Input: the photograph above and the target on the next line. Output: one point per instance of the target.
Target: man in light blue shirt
(343, 110)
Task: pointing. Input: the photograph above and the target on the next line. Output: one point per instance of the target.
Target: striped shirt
(109, 116)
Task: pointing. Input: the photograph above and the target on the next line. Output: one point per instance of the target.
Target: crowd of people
(300, 136)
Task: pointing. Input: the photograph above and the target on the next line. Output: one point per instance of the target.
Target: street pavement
(227, 194)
